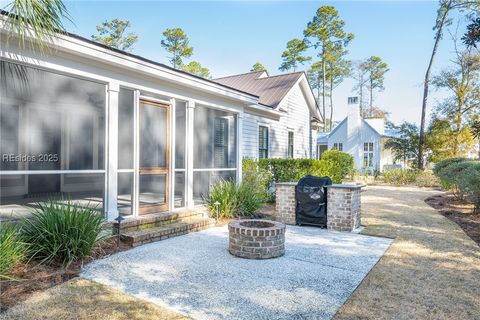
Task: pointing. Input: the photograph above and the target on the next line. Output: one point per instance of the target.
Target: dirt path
(431, 271)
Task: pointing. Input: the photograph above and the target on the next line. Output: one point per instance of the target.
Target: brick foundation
(343, 205)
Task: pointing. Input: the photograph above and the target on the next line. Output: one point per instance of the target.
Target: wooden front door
(154, 157)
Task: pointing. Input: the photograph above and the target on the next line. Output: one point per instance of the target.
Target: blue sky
(229, 37)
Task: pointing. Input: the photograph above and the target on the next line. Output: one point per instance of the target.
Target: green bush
(12, 249)
(335, 164)
(228, 200)
(256, 176)
(462, 177)
(61, 232)
(426, 179)
(399, 177)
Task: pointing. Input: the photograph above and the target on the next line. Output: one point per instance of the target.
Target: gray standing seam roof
(271, 90)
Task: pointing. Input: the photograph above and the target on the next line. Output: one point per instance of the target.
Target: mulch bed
(459, 211)
(33, 277)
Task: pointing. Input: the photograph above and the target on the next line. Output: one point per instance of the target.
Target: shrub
(256, 176)
(462, 177)
(12, 250)
(227, 199)
(426, 179)
(335, 164)
(399, 176)
(60, 232)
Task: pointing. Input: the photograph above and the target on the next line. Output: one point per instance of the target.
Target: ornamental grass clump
(228, 200)
(61, 232)
(12, 249)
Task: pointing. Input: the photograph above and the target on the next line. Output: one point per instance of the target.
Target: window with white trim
(338, 146)
(368, 154)
(290, 144)
(262, 142)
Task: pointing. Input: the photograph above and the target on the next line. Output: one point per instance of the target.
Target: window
(321, 148)
(368, 154)
(215, 150)
(220, 143)
(338, 146)
(290, 145)
(262, 142)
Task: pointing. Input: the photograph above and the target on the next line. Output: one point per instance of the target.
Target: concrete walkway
(195, 275)
(431, 271)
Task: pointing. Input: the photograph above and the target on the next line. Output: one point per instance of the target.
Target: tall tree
(258, 67)
(463, 82)
(177, 44)
(404, 148)
(443, 142)
(324, 33)
(35, 22)
(472, 35)
(376, 70)
(475, 129)
(360, 75)
(337, 68)
(113, 34)
(197, 69)
(444, 9)
(293, 55)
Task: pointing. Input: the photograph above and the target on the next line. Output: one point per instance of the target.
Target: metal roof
(270, 89)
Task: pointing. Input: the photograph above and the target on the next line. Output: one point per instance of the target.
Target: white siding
(296, 119)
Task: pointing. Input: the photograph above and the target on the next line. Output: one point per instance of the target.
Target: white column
(189, 150)
(239, 146)
(112, 151)
(171, 168)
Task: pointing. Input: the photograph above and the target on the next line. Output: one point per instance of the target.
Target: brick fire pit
(256, 239)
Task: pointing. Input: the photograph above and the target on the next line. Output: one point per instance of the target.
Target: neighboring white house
(130, 135)
(364, 139)
(287, 125)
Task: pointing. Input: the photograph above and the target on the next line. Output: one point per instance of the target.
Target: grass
(12, 250)
(82, 299)
(432, 269)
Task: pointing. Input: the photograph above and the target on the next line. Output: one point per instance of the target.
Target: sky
(229, 37)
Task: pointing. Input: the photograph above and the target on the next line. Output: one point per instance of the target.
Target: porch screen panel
(50, 122)
(215, 149)
(126, 139)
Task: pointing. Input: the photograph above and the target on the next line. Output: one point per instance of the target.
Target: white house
(105, 127)
(287, 125)
(364, 139)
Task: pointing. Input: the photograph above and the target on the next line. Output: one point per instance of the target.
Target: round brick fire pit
(256, 239)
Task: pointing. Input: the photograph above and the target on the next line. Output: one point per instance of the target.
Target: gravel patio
(196, 276)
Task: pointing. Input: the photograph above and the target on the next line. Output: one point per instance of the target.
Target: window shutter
(220, 142)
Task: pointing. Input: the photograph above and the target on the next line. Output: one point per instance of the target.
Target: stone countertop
(345, 186)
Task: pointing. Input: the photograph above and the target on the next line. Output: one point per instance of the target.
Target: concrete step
(155, 220)
(138, 237)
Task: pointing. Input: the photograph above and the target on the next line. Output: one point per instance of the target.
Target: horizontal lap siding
(298, 119)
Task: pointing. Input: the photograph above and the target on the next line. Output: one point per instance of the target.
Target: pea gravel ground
(196, 276)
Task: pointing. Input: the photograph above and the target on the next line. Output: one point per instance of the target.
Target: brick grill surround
(256, 239)
(343, 205)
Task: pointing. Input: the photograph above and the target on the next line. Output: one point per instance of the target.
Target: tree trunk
(426, 82)
(323, 91)
(371, 97)
(331, 102)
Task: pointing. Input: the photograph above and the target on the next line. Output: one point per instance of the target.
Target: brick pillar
(285, 202)
(343, 207)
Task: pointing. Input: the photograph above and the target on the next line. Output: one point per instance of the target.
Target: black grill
(311, 198)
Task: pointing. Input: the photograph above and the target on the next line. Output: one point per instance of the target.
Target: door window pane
(153, 136)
